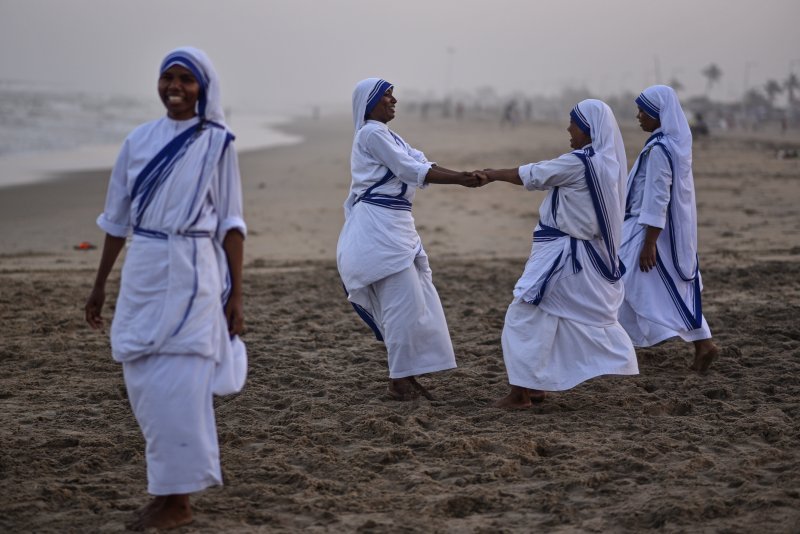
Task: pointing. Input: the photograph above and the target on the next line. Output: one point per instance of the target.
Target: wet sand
(314, 444)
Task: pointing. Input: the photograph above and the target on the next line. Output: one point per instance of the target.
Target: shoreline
(253, 133)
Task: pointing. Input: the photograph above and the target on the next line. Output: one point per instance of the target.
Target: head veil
(661, 102)
(365, 96)
(209, 104)
(606, 171)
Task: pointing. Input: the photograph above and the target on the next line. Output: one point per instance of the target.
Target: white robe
(660, 304)
(169, 311)
(385, 235)
(561, 329)
(380, 241)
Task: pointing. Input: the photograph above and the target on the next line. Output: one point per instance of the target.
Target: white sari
(176, 188)
(562, 329)
(664, 302)
(380, 257)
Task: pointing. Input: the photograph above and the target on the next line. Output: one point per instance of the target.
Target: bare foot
(406, 389)
(148, 508)
(402, 389)
(705, 354)
(519, 398)
(536, 395)
(421, 389)
(163, 512)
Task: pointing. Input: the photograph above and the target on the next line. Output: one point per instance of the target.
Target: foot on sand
(519, 398)
(406, 389)
(163, 512)
(705, 354)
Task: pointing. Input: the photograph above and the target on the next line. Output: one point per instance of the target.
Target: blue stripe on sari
(366, 317)
(580, 121)
(544, 233)
(195, 286)
(648, 106)
(375, 95)
(639, 162)
(692, 320)
(614, 271)
(395, 202)
(540, 294)
(670, 220)
(671, 224)
(156, 171)
(554, 204)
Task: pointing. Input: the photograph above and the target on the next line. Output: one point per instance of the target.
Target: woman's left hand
(234, 313)
(647, 258)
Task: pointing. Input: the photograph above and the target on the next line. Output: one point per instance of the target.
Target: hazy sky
(286, 55)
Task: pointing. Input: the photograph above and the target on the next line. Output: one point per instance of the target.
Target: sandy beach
(313, 444)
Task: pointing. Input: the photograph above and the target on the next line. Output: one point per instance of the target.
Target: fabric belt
(393, 202)
(156, 234)
(385, 201)
(544, 233)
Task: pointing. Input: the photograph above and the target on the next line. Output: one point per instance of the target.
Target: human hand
(234, 314)
(94, 308)
(483, 177)
(474, 179)
(647, 258)
(468, 179)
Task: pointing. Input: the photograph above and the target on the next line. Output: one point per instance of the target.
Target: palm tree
(791, 85)
(713, 74)
(773, 89)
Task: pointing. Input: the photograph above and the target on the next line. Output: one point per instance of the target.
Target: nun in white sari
(561, 328)
(175, 188)
(659, 246)
(380, 256)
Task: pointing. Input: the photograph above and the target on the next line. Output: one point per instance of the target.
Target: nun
(175, 191)
(663, 282)
(380, 256)
(561, 328)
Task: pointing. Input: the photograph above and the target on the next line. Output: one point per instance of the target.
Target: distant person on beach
(659, 247)
(699, 127)
(561, 328)
(176, 188)
(380, 257)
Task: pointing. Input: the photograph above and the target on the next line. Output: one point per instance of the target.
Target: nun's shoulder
(373, 126)
(370, 129)
(146, 129)
(573, 158)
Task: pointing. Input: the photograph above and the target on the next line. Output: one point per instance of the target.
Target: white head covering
(366, 94)
(661, 102)
(209, 105)
(609, 166)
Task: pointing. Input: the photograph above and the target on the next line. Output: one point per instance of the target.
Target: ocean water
(46, 131)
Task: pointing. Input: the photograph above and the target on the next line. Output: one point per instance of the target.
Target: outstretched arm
(503, 175)
(94, 304)
(442, 175)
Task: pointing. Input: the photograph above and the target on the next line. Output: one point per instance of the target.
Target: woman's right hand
(94, 308)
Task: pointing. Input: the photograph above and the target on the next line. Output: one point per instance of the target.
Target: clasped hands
(477, 178)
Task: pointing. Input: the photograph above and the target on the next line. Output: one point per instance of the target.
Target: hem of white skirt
(182, 489)
(423, 370)
(689, 336)
(562, 386)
